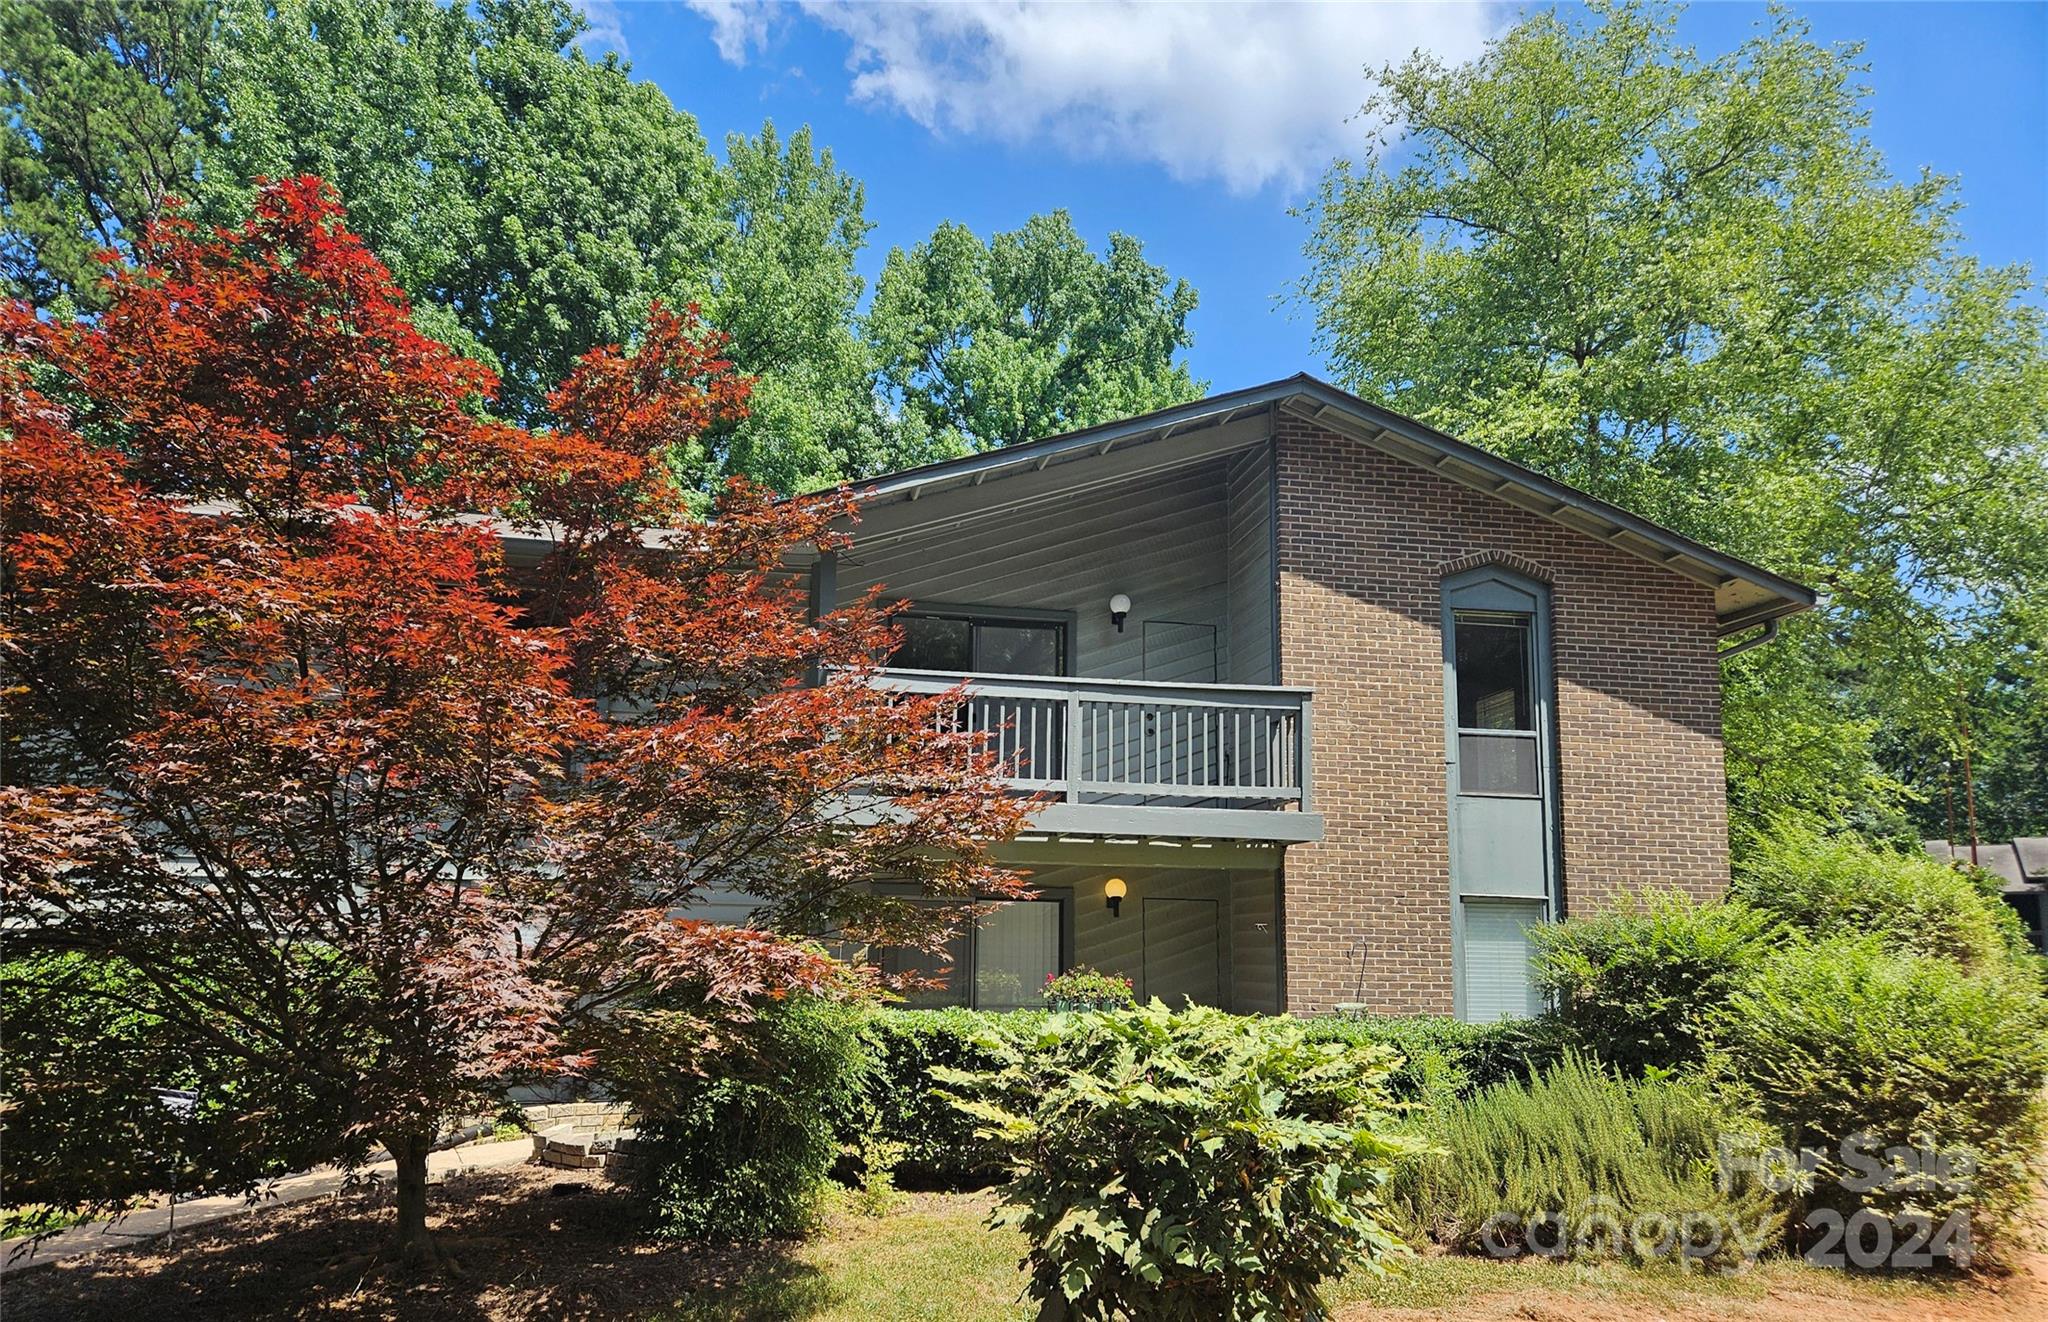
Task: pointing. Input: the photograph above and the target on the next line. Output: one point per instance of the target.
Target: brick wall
(1365, 541)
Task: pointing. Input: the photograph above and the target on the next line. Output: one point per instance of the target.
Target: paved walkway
(150, 1223)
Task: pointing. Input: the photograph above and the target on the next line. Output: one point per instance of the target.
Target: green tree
(784, 288)
(1028, 335)
(1690, 286)
(1988, 758)
(104, 106)
(533, 202)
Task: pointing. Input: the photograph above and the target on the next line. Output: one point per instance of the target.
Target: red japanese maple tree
(381, 819)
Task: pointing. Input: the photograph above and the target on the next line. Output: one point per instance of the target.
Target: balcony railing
(1128, 742)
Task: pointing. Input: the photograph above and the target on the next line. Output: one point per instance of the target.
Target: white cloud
(736, 25)
(607, 31)
(1248, 94)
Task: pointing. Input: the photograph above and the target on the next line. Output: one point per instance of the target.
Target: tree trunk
(410, 1153)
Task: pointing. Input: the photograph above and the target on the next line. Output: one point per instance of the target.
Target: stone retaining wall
(581, 1117)
(585, 1149)
(569, 1120)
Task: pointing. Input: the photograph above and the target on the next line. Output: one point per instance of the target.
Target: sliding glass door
(967, 643)
(1000, 962)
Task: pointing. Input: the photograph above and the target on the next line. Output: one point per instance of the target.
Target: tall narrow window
(1497, 736)
(1502, 795)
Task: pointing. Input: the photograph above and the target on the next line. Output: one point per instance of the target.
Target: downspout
(1770, 632)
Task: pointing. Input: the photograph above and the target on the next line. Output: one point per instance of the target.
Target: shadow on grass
(774, 1288)
(523, 1243)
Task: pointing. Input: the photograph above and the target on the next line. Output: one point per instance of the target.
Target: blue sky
(1195, 128)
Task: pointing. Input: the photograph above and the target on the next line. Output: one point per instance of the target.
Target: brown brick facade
(1365, 541)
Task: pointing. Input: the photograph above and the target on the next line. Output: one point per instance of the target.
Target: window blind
(1498, 982)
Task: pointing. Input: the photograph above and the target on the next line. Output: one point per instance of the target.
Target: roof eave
(1774, 596)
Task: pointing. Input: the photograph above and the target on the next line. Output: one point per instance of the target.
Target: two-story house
(1328, 706)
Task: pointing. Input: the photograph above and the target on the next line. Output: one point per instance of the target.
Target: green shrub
(1582, 1161)
(1083, 988)
(901, 1104)
(80, 1125)
(872, 1188)
(1837, 885)
(743, 1149)
(1441, 1059)
(1187, 1165)
(1843, 1039)
(1633, 984)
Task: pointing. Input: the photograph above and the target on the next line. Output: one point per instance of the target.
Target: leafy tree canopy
(309, 783)
(535, 200)
(1029, 334)
(783, 287)
(533, 203)
(1690, 286)
(105, 107)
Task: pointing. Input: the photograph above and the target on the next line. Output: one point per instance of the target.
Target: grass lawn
(930, 1258)
(934, 1258)
(533, 1243)
(36, 1219)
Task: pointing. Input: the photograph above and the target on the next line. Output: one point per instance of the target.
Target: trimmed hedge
(1443, 1059)
(1634, 984)
(1837, 885)
(901, 1104)
(1440, 1058)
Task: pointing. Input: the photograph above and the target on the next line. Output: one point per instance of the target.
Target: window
(932, 642)
(998, 964)
(1495, 960)
(980, 644)
(1503, 797)
(1016, 949)
(1493, 671)
(1497, 751)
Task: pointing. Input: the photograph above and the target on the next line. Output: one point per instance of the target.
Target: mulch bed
(524, 1243)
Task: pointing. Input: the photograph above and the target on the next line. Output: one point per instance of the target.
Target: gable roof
(1744, 594)
(2022, 863)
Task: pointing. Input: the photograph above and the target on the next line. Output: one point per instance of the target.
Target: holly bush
(1187, 1165)
(738, 1144)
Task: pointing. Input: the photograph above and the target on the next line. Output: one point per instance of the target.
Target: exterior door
(1499, 750)
(1182, 945)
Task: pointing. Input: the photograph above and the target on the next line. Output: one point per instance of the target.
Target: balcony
(1130, 758)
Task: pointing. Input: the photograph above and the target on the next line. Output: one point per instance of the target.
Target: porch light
(1115, 889)
(1119, 606)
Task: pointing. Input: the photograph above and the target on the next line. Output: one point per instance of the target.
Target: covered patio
(1185, 934)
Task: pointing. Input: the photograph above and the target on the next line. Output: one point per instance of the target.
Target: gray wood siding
(1254, 954)
(1159, 540)
(1248, 568)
